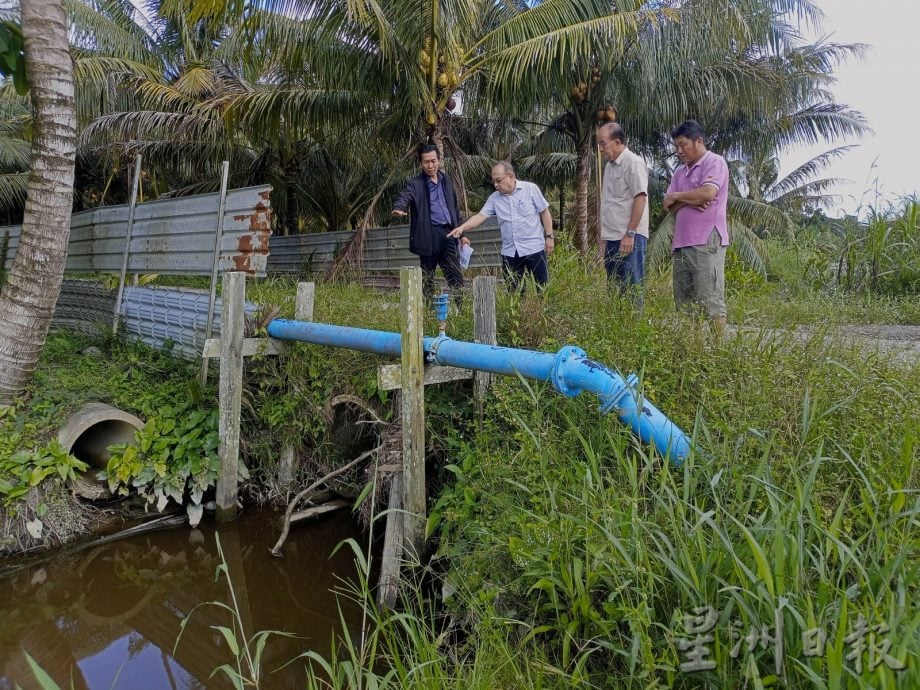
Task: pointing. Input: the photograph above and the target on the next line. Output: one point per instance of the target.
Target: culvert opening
(92, 446)
(90, 431)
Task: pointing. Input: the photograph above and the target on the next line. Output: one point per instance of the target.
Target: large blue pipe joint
(570, 371)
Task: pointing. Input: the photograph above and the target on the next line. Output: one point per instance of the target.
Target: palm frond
(13, 189)
(806, 172)
(749, 247)
(759, 214)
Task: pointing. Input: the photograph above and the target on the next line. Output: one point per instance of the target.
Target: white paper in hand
(466, 251)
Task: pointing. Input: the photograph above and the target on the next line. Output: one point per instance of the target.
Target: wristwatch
(549, 237)
(630, 233)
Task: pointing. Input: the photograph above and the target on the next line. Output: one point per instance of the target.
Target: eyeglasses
(500, 178)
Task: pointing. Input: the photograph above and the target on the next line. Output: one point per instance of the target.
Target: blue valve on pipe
(440, 310)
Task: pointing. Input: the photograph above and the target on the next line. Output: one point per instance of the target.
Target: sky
(885, 87)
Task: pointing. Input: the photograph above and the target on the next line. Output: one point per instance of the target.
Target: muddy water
(109, 617)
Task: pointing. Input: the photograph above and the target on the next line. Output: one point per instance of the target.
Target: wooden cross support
(406, 517)
(232, 348)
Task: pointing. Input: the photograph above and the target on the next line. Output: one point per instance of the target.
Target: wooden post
(233, 297)
(413, 409)
(303, 311)
(388, 589)
(484, 330)
(303, 303)
(127, 250)
(215, 263)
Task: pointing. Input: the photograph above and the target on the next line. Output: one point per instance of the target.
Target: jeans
(627, 272)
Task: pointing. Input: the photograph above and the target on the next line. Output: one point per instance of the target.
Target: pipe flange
(433, 347)
(557, 377)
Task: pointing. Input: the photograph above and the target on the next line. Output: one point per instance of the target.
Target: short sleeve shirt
(691, 226)
(518, 216)
(624, 179)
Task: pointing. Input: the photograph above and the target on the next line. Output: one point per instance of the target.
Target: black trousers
(515, 267)
(449, 261)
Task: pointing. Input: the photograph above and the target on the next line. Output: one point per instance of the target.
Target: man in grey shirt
(526, 225)
(624, 212)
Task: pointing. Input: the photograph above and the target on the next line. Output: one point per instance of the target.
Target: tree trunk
(562, 207)
(28, 298)
(582, 178)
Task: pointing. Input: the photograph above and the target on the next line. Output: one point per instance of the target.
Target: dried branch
(286, 528)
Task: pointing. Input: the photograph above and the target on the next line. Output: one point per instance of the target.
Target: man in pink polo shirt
(698, 195)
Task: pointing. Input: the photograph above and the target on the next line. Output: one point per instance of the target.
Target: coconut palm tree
(27, 299)
(772, 203)
(407, 62)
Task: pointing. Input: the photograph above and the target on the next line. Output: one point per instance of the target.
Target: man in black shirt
(432, 202)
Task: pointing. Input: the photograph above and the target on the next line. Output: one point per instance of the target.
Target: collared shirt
(437, 203)
(692, 227)
(624, 179)
(518, 216)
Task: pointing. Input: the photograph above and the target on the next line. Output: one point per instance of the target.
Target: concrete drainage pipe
(88, 433)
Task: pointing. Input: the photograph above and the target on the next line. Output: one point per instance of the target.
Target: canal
(109, 617)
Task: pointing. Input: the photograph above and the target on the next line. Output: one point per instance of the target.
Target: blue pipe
(570, 371)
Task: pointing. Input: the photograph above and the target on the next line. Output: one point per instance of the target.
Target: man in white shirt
(624, 212)
(526, 225)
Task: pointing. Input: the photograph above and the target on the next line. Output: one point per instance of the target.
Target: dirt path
(902, 343)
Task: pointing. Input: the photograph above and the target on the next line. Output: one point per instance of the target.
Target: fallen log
(321, 509)
(155, 525)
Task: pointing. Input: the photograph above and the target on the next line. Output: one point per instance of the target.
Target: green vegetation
(33, 466)
(26, 469)
(175, 453)
(573, 558)
(566, 555)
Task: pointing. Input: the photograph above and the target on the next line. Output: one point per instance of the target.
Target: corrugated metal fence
(170, 236)
(165, 318)
(386, 249)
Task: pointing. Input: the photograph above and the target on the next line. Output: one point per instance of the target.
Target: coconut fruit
(442, 80)
(431, 118)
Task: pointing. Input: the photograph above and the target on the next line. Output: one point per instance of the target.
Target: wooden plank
(388, 586)
(413, 410)
(389, 376)
(484, 330)
(230, 392)
(251, 347)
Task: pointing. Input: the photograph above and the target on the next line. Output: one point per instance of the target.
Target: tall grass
(570, 557)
